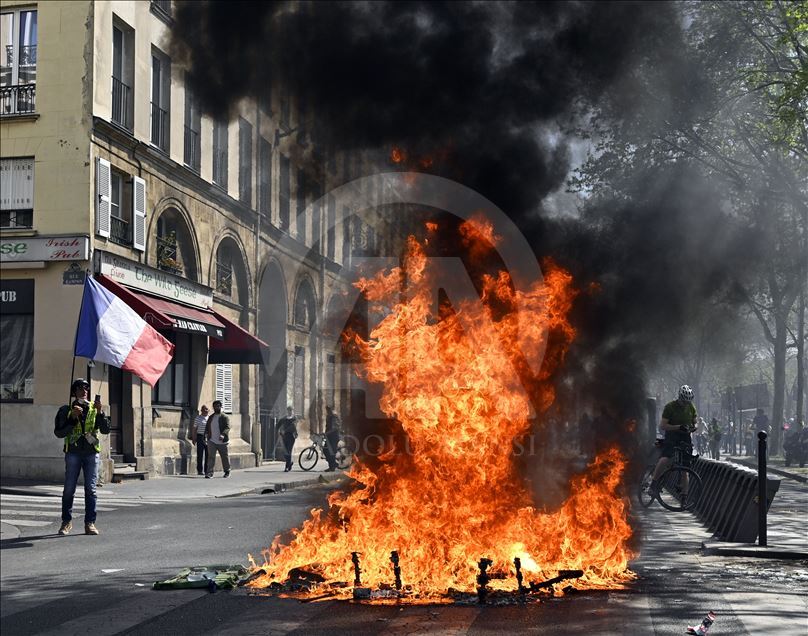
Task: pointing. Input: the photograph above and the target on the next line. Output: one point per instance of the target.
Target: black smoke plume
(488, 91)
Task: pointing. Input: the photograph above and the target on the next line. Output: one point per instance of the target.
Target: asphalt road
(102, 585)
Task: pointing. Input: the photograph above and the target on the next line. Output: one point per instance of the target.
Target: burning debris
(454, 507)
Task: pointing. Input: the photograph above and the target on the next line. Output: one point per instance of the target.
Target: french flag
(110, 331)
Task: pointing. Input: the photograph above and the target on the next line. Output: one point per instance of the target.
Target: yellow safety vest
(89, 427)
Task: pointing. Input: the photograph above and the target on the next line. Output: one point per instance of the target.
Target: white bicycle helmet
(685, 393)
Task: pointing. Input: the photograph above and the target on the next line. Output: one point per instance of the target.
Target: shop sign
(199, 328)
(17, 296)
(73, 275)
(153, 281)
(44, 248)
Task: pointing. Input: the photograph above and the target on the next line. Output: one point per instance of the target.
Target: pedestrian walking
(748, 438)
(332, 432)
(715, 435)
(80, 424)
(761, 423)
(701, 436)
(217, 434)
(287, 431)
(198, 439)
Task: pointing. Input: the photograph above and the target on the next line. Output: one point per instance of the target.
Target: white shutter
(224, 386)
(17, 184)
(139, 214)
(103, 186)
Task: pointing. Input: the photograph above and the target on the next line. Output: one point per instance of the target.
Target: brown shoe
(89, 528)
(67, 526)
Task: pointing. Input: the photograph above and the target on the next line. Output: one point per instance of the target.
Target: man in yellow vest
(80, 424)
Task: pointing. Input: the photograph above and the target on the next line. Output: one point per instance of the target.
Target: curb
(21, 490)
(776, 471)
(272, 488)
(751, 550)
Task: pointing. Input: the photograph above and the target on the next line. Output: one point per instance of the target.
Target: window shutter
(224, 386)
(139, 214)
(103, 186)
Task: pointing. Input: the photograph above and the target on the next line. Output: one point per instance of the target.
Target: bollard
(762, 500)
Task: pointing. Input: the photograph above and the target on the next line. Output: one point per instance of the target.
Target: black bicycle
(310, 455)
(680, 487)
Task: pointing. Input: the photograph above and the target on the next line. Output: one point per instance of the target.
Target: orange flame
(454, 494)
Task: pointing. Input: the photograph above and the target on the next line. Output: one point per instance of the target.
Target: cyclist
(678, 423)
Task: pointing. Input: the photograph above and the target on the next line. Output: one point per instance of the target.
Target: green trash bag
(212, 577)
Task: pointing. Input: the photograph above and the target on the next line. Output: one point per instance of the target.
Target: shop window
(224, 386)
(172, 387)
(17, 193)
(17, 341)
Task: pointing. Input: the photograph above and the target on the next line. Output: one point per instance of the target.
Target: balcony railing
(18, 100)
(163, 6)
(16, 219)
(120, 231)
(159, 127)
(121, 103)
(192, 149)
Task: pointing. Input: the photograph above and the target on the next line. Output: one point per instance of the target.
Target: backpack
(61, 427)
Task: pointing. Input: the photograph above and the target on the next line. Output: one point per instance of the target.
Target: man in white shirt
(217, 433)
(197, 435)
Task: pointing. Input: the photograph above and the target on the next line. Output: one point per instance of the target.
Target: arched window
(304, 306)
(175, 251)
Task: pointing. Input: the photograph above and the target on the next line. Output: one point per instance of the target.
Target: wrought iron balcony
(192, 148)
(16, 219)
(159, 127)
(120, 231)
(121, 103)
(18, 100)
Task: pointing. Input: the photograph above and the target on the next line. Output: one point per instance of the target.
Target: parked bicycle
(680, 487)
(310, 455)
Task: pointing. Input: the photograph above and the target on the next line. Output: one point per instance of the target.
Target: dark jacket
(224, 427)
(65, 423)
(287, 427)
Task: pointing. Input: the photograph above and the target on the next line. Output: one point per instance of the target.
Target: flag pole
(76, 336)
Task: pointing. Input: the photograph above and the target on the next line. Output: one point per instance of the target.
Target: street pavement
(26, 504)
(678, 582)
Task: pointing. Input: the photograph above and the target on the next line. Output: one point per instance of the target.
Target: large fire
(457, 382)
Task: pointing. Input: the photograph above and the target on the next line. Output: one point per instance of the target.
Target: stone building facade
(209, 229)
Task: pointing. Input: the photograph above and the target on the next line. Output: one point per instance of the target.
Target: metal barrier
(729, 504)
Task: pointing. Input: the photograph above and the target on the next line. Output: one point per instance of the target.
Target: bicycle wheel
(680, 489)
(308, 458)
(644, 490)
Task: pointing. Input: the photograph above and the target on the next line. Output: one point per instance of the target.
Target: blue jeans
(74, 463)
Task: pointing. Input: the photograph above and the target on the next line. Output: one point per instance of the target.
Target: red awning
(165, 314)
(239, 345)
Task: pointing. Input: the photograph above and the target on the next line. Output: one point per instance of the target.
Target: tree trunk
(800, 357)
(780, 350)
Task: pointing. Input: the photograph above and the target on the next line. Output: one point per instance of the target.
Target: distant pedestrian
(748, 437)
(198, 439)
(715, 434)
(287, 431)
(332, 434)
(217, 433)
(701, 436)
(80, 423)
